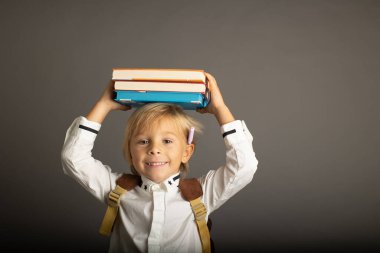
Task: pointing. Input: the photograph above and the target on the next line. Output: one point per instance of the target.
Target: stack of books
(136, 87)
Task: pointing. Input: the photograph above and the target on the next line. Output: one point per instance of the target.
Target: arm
(76, 154)
(241, 163)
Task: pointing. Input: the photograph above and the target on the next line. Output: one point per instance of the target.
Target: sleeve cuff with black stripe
(235, 132)
(88, 128)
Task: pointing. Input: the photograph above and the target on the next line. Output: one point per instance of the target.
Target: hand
(107, 101)
(104, 105)
(216, 105)
(216, 100)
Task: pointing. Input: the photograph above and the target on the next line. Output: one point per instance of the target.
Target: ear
(188, 152)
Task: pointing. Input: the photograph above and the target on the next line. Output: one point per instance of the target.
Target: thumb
(126, 107)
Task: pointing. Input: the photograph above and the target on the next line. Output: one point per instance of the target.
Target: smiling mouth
(155, 164)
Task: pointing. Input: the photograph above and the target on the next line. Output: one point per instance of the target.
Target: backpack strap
(123, 184)
(191, 191)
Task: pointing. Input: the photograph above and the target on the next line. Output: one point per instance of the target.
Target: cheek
(135, 155)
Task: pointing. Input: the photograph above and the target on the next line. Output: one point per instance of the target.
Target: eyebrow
(168, 132)
(164, 133)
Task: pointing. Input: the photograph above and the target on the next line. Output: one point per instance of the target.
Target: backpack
(191, 191)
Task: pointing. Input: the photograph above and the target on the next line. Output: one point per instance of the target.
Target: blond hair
(144, 117)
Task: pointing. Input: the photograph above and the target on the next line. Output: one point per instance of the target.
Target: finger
(210, 77)
(211, 81)
(201, 110)
(110, 83)
(110, 87)
(127, 107)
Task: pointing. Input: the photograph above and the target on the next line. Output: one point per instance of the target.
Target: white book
(160, 86)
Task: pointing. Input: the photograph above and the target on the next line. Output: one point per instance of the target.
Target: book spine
(187, 99)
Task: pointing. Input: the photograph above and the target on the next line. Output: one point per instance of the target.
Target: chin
(155, 178)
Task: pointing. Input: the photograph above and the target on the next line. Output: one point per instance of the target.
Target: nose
(154, 152)
(154, 149)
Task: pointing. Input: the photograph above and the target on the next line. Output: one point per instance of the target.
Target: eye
(167, 141)
(143, 142)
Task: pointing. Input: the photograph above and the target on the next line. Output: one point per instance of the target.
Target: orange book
(159, 75)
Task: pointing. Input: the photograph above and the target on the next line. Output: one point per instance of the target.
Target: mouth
(155, 164)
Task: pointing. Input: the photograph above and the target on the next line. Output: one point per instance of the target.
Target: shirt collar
(169, 184)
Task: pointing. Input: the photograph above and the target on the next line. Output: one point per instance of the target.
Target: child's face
(158, 151)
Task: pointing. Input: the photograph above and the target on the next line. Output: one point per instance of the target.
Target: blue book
(187, 100)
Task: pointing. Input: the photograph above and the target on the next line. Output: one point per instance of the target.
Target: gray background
(304, 75)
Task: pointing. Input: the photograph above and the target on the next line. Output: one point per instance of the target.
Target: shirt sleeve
(241, 164)
(78, 162)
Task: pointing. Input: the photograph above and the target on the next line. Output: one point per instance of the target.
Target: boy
(154, 217)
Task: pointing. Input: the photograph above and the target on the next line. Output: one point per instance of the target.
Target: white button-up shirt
(154, 217)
